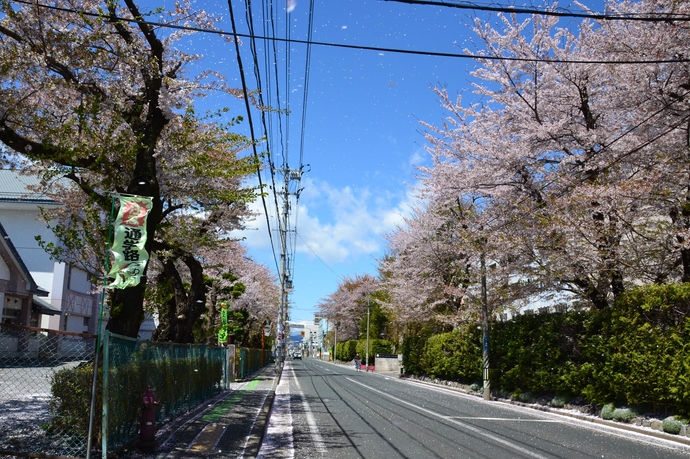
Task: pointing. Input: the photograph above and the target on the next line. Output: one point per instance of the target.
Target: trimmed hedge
(346, 351)
(454, 355)
(633, 353)
(414, 343)
(376, 346)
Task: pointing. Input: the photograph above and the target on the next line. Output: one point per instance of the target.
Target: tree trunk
(182, 311)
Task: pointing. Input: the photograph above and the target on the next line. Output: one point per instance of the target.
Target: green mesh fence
(249, 361)
(42, 373)
(181, 376)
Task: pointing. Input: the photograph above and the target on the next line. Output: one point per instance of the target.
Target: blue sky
(361, 138)
(362, 135)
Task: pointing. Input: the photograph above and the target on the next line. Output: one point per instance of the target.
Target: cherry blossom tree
(348, 304)
(245, 285)
(91, 92)
(577, 169)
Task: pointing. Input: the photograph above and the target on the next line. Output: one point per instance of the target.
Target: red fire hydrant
(147, 432)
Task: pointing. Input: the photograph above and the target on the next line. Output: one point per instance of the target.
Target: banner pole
(98, 336)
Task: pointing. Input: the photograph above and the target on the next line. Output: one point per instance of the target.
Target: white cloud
(340, 224)
(336, 224)
(419, 157)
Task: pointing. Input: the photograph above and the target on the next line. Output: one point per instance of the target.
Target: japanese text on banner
(129, 256)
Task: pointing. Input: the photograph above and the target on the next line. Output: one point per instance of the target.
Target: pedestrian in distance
(358, 362)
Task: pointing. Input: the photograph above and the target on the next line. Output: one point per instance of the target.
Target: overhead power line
(643, 17)
(251, 128)
(374, 48)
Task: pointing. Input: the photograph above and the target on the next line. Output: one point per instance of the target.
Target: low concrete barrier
(387, 363)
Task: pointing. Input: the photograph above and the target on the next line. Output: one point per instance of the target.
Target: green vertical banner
(129, 255)
(223, 332)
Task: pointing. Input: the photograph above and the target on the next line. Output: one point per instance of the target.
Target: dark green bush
(632, 353)
(636, 349)
(71, 400)
(455, 356)
(376, 346)
(536, 353)
(346, 350)
(414, 344)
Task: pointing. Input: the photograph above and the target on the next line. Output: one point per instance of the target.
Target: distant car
(297, 355)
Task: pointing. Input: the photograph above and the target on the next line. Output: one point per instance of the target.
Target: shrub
(537, 353)
(525, 397)
(416, 336)
(456, 355)
(559, 401)
(346, 350)
(475, 387)
(502, 393)
(629, 354)
(623, 415)
(71, 390)
(607, 412)
(376, 346)
(671, 425)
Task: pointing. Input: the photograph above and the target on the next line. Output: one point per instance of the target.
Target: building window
(12, 310)
(34, 320)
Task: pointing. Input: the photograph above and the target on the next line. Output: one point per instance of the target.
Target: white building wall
(79, 280)
(4, 270)
(23, 224)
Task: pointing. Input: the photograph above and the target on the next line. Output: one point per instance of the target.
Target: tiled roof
(14, 187)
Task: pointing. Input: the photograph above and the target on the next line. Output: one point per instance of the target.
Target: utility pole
(335, 340)
(485, 330)
(368, 314)
(285, 281)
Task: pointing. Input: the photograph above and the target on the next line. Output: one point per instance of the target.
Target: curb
(258, 432)
(594, 420)
(615, 425)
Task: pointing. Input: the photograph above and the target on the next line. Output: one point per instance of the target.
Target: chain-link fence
(30, 361)
(46, 378)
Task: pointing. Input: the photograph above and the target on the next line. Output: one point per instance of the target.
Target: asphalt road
(331, 411)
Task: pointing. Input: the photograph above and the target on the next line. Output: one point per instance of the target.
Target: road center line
(451, 419)
(472, 418)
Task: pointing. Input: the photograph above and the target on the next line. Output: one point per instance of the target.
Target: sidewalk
(230, 425)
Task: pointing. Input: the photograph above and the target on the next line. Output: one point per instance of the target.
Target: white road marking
(450, 419)
(471, 418)
(574, 421)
